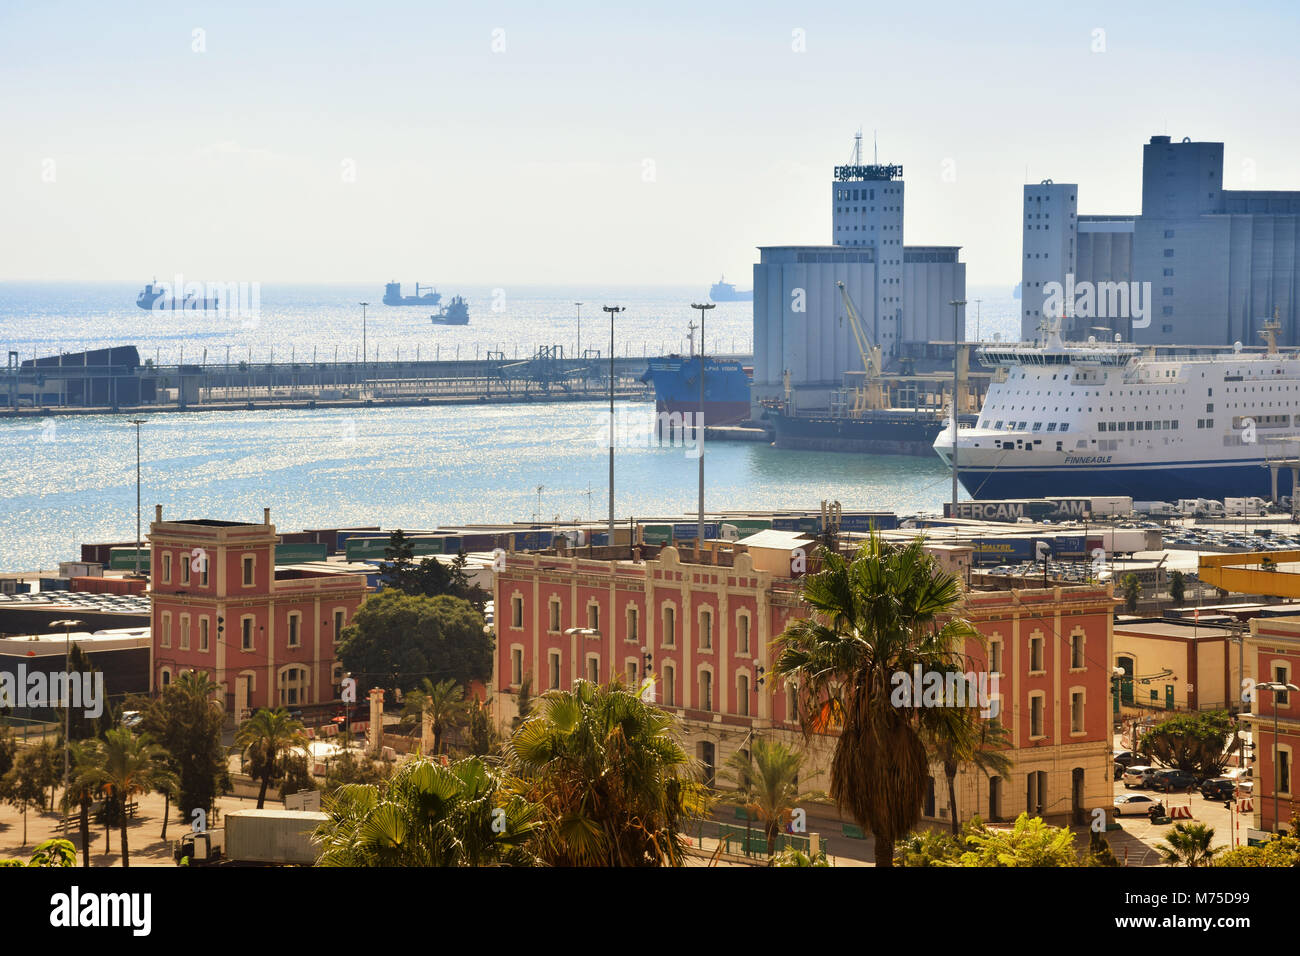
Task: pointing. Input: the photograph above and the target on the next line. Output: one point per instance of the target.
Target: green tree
(1031, 842)
(880, 613)
(297, 775)
(1099, 851)
(82, 726)
(927, 848)
(1280, 851)
(1178, 587)
(1188, 844)
(443, 701)
(84, 788)
(131, 766)
(24, 785)
(429, 815)
(1132, 592)
(429, 577)
(767, 784)
(186, 720)
(8, 750)
(1192, 742)
(614, 783)
(483, 740)
(957, 735)
(351, 768)
(523, 702)
(265, 739)
(792, 857)
(395, 638)
(51, 853)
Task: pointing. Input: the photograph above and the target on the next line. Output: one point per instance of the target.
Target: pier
(114, 380)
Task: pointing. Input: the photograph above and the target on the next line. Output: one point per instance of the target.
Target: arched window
(293, 682)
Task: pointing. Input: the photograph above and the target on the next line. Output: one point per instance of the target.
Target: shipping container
(80, 569)
(747, 526)
(1070, 545)
(123, 559)
(102, 585)
(1111, 505)
(1012, 509)
(861, 522)
(55, 584)
(1002, 550)
(657, 533)
(687, 532)
(272, 836)
(299, 552)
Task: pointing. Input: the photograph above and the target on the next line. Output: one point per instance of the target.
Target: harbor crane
(872, 393)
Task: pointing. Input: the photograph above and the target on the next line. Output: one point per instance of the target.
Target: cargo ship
(393, 295)
(455, 312)
(724, 291)
(157, 295)
(1110, 418)
(885, 431)
(676, 381)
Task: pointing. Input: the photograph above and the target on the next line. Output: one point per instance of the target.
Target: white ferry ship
(1084, 419)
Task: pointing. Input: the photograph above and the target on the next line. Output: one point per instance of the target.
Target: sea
(72, 479)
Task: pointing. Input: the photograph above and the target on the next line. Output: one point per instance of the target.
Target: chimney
(157, 512)
(266, 516)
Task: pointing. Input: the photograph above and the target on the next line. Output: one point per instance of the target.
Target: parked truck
(1239, 507)
(268, 837)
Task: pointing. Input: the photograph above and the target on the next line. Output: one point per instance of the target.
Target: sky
(556, 143)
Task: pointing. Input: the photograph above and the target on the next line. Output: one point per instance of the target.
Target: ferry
(1110, 418)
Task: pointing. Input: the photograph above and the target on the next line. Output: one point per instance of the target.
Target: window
(1169, 233)
(516, 666)
(791, 703)
(670, 627)
(293, 686)
(995, 656)
(742, 695)
(203, 572)
(631, 674)
(706, 690)
(1281, 697)
(185, 632)
(553, 661)
(633, 624)
(593, 616)
(670, 685)
(185, 571)
(295, 629)
(203, 635)
(1036, 716)
(167, 568)
(166, 629)
(516, 611)
(246, 633)
(248, 570)
(1036, 654)
(1076, 651)
(555, 616)
(1283, 771)
(593, 669)
(338, 625)
(706, 630)
(1076, 712)
(742, 634)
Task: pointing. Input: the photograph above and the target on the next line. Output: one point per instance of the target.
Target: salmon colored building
(1274, 648)
(704, 633)
(267, 635)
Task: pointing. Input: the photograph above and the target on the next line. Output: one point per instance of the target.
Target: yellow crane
(872, 393)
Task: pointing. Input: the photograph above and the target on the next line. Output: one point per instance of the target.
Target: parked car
(1133, 804)
(1171, 781)
(1126, 758)
(1138, 777)
(1220, 788)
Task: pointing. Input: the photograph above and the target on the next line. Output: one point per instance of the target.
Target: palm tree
(1188, 844)
(131, 765)
(444, 702)
(957, 735)
(884, 611)
(767, 782)
(615, 785)
(429, 815)
(263, 738)
(84, 787)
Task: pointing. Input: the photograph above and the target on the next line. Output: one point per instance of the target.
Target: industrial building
(1211, 264)
(801, 338)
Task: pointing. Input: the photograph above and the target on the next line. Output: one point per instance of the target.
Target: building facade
(1274, 648)
(268, 636)
(703, 632)
(1217, 263)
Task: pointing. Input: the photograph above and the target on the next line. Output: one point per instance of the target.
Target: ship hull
(178, 305)
(881, 434)
(677, 389)
(1162, 481)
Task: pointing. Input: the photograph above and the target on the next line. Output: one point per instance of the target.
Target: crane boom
(870, 353)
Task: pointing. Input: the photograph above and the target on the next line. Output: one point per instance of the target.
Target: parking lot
(1134, 844)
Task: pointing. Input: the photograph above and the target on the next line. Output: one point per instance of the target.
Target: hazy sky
(584, 142)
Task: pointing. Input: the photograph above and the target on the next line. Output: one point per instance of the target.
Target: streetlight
(67, 626)
(956, 363)
(137, 422)
(364, 357)
(612, 310)
(1277, 687)
(699, 436)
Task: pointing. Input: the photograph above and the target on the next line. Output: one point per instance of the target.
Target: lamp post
(67, 626)
(699, 431)
(364, 356)
(137, 422)
(956, 365)
(1277, 687)
(612, 310)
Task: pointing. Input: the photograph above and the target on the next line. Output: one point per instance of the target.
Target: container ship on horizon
(1074, 419)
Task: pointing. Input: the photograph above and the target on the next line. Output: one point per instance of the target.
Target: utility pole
(613, 310)
(956, 366)
(699, 432)
(137, 422)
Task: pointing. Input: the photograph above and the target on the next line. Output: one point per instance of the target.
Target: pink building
(268, 636)
(703, 631)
